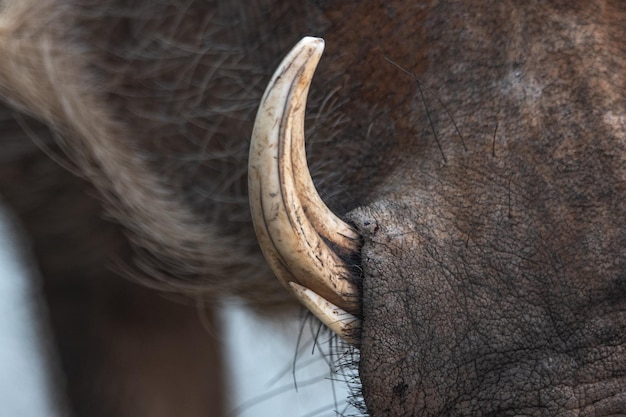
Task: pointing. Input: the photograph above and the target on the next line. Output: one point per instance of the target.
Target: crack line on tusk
(300, 237)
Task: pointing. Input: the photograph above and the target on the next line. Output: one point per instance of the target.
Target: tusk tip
(313, 41)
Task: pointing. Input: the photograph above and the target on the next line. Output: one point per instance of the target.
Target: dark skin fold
(478, 146)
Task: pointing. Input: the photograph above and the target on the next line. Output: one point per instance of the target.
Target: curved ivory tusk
(344, 324)
(300, 237)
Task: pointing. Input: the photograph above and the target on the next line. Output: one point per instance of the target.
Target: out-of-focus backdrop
(273, 368)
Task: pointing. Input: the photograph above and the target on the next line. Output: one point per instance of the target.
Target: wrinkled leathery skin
(494, 279)
(489, 337)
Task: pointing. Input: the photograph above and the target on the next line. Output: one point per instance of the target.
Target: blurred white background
(265, 360)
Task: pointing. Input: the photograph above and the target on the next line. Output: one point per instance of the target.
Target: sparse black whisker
(420, 84)
(321, 410)
(510, 213)
(320, 326)
(445, 108)
(295, 356)
(292, 368)
(493, 143)
(273, 393)
(430, 121)
(395, 64)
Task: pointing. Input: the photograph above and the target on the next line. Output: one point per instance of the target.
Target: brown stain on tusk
(302, 240)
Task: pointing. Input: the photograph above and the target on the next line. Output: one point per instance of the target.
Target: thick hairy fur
(69, 86)
(479, 146)
(49, 71)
